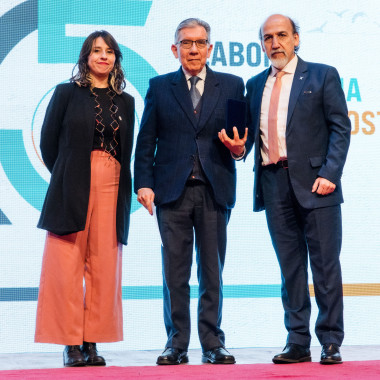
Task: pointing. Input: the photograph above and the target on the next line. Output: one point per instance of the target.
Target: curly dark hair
(116, 77)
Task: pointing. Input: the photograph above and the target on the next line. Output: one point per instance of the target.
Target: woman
(86, 143)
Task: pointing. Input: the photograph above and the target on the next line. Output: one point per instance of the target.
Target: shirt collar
(290, 68)
(201, 75)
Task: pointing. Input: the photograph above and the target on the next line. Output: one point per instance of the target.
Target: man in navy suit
(182, 166)
(297, 182)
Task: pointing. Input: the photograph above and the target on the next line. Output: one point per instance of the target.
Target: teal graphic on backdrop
(51, 18)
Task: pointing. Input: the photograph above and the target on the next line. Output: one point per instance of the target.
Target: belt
(280, 164)
(195, 181)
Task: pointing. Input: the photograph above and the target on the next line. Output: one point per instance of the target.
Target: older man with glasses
(189, 174)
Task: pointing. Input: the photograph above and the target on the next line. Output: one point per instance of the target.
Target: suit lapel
(210, 97)
(88, 102)
(299, 80)
(258, 98)
(182, 94)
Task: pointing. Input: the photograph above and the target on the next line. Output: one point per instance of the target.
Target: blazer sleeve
(146, 144)
(52, 124)
(336, 116)
(250, 118)
(240, 89)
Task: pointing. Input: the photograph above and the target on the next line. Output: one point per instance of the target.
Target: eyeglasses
(187, 44)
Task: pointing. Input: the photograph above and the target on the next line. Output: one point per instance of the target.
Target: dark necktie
(194, 93)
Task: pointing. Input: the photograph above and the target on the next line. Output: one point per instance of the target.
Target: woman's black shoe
(73, 357)
(91, 356)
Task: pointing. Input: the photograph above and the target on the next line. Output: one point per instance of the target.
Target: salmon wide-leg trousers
(80, 297)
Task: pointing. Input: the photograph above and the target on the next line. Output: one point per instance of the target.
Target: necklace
(109, 148)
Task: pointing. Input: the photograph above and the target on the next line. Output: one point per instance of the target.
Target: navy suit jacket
(318, 132)
(170, 135)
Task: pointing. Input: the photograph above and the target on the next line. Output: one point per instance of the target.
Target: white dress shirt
(201, 83)
(282, 112)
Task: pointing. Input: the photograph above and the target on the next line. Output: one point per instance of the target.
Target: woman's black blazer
(67, 136)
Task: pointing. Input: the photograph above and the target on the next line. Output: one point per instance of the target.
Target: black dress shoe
(218, 355)
(293, 353)
(90, 354)
(331, 354)
(172, 356)
(72, 357)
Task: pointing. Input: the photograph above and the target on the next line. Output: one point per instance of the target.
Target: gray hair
(192, 23)
(295, 27)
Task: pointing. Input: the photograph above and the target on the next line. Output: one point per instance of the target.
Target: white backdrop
(38, 49)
